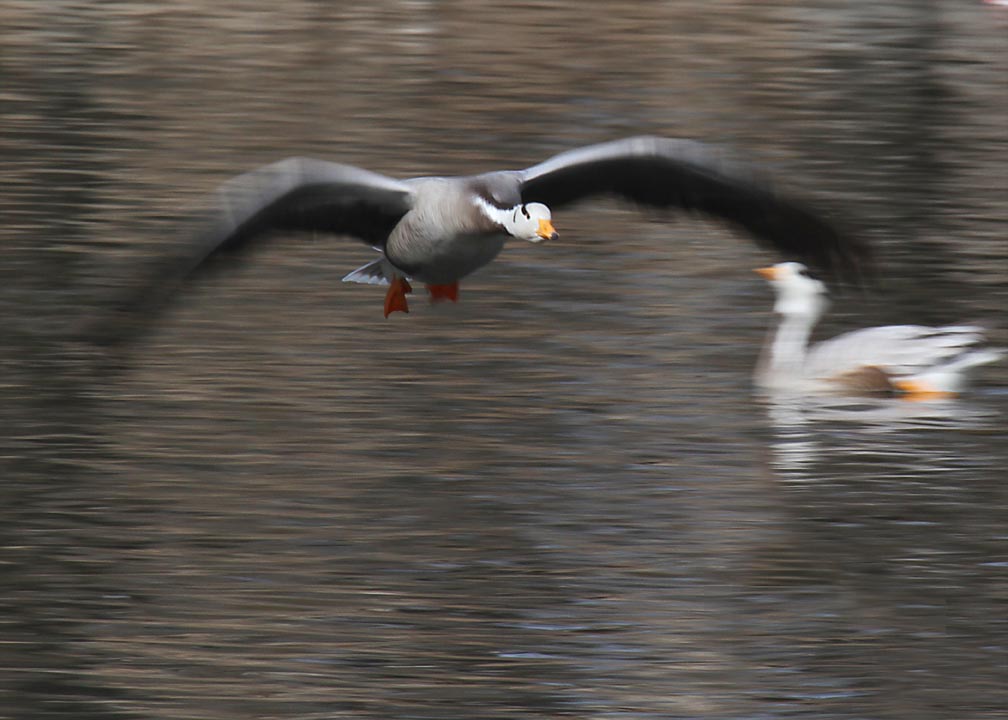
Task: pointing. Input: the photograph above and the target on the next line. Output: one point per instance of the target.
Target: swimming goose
(437, 230)
(913, 359)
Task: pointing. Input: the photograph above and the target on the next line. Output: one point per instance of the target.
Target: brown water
(558, 498)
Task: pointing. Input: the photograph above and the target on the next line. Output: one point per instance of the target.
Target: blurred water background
(561, 496)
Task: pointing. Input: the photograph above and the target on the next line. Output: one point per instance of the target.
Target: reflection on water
(810, 430)
(558, 498)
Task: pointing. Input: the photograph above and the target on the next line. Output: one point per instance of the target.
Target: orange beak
(546, 231)
(769, 273)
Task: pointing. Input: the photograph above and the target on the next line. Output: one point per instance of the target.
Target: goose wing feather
(306, 194)
(898, 349)
(663, 173)
(293, 194)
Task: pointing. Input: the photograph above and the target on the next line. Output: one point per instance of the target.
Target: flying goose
(912, 359)
(437, 230)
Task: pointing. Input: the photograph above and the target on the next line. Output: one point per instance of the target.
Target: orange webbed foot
(444, 292)
(918, 391)
(395, 298)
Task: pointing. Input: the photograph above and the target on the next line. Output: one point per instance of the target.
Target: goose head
(530, 221)
(798, 293)
(524, 221)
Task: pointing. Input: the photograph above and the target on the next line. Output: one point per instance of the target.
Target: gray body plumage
(445, 236)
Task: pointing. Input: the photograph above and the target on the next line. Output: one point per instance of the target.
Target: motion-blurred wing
(679, 173)
(305, 194)
(293, 194)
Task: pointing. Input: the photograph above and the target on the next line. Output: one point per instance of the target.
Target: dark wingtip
(822, 241)
(851, 258)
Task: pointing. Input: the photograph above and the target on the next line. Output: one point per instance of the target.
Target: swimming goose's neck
(784, 354)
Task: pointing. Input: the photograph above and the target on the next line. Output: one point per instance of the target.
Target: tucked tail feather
(376, 272)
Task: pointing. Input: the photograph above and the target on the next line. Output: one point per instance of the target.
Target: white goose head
(799, 295)
(525, 221)
(532, 222)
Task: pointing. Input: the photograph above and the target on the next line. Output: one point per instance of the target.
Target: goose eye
(525, 212)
